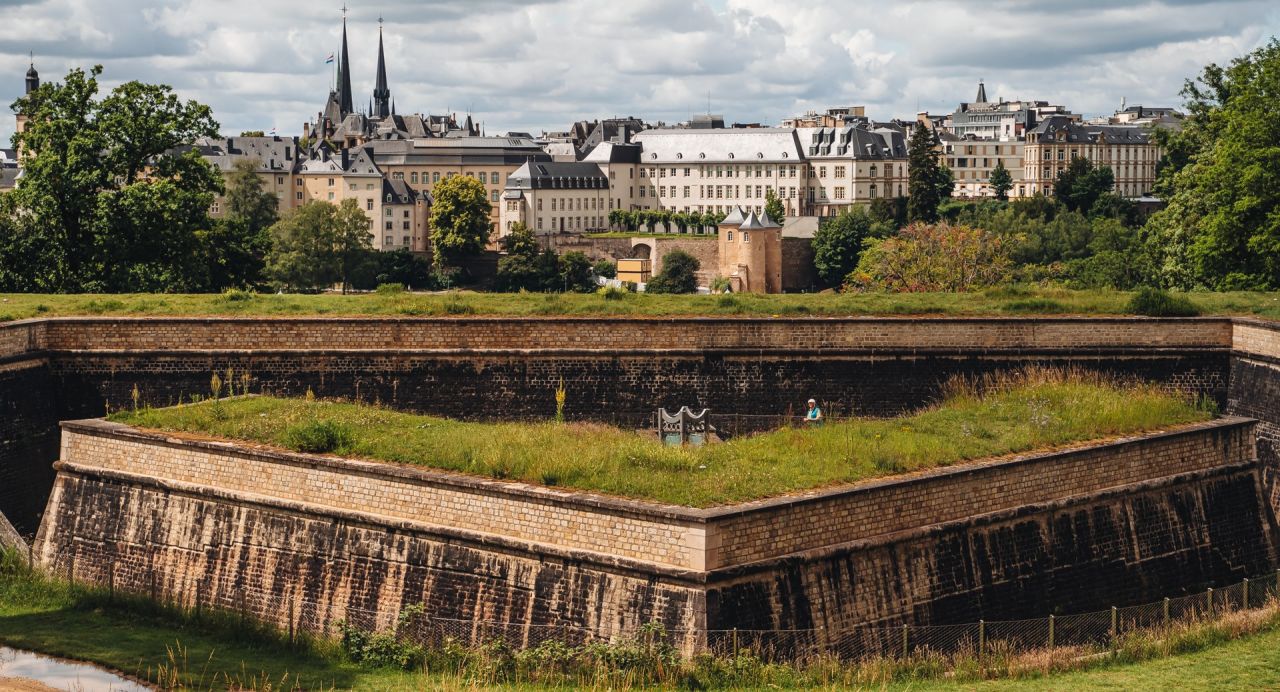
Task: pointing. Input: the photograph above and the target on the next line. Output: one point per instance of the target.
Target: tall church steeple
(381, 94)
(344, 72)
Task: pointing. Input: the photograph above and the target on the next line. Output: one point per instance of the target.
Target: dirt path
(23, 685)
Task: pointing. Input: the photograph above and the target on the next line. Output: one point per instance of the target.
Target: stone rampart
(208, 521)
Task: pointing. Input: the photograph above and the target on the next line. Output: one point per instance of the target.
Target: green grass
(179, 651)
(1011, 300)
(1019, 412)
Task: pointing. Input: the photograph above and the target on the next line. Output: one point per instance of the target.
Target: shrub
(317, 437)
(1154, 302)
(613, 292)
(933, 257)
(677, 275)
(605, 268)
(390, 289)
(236, 295)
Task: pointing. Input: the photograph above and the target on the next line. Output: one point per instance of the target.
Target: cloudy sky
(542, 64)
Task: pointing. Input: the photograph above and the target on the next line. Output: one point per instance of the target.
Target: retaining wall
(198, 520)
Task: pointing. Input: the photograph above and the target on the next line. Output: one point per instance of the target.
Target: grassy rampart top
(1034, 411)
(1001, 301)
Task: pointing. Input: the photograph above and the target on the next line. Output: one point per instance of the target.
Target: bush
(677, 275)
(613, 293)
(1153, 302)
(933, 257)
(318, 437)
(605, 268)
(231, 295)
(390, 289)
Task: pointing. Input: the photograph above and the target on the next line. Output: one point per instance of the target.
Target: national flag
(273, 132)
(329, 60)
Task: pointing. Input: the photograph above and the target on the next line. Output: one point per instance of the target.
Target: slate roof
(853, 141)
(274, 154)
(577, 175)
(745, 145)
(399, 192)
(614, 152)
(457, 151)
(1060, 128)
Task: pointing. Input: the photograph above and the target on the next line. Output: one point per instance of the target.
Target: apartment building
(852, 164)
(555, 197)
(971, 161)
(1130, 152)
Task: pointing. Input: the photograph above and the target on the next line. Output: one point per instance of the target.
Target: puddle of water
(62, 675)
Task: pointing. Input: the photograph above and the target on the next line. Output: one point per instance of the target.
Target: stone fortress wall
(1109, 534)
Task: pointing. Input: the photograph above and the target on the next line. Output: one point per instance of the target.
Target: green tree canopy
(1001, 181)
(838, 244)
(1081, 183)
(459, 219)
(109, 200)
(677, 275)
(773, 207)
(1221, 178)
(318, 245)
(925, 174)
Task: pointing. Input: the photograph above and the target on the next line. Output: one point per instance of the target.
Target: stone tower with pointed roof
(381, 94)
(750, 252)
(344, 75)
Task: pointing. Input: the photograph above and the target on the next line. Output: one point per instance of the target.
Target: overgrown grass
(1014, 412)
(1005, 300)
(177, 649)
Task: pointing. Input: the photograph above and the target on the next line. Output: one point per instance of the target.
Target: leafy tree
(1001, 181)
(888, 212)
(1081, 183)
(773, 207)
(352, 241)
(108, 200)
(677, 275)
(246, 199)
(575, 272)
(459, 219)
(945, 181)
(397, 267)
(519, 268)
(838, 244)
(924, 172)
(605, 268)
(253, 133)
(302, 255)
(1221, 178)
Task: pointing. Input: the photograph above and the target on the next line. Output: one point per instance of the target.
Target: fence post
(982, 637)
(1245, 595)
(735, 642)
(1115, 630)
(1051, 633)
(1166, 610)
(904, 641)
(1208, 599)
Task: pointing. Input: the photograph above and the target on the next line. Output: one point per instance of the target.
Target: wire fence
(293, 612)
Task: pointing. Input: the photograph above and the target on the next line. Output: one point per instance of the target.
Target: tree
(924, 171)
(352, 241)
(838, 244)
(945, 181)
(773, 207)
(1001, 181)
(253, 133)
(1081, 183)
(605, 268)
(84, 215)
(246, 199)
(302, 255)
(575, 272)
(677, 275)
(519, 269)
(1221, 228)
(459, 219)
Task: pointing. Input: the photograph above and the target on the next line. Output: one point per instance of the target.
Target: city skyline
(535, 66)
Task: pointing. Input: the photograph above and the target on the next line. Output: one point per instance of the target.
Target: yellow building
(1129, 151)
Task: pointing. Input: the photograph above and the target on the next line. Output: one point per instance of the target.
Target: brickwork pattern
(877, 508)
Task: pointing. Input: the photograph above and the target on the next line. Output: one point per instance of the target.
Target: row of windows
(730, 171)
(571, 223)
(576, 203)
(1106, 154)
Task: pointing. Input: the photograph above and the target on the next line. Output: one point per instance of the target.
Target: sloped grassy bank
(1013, 413)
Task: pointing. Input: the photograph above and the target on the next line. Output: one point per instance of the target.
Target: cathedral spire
(982, 92)
(344, 71)
(381, 94)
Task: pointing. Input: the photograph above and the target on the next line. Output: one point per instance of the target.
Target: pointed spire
(381, 94)
(344, 71)
(982, 92)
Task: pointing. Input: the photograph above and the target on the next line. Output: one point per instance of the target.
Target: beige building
(275, 159)
(397, 212)
(853, 164)
(1128, 150)
(750, 252)
(556, 197)
(717, 170)
(972, 160)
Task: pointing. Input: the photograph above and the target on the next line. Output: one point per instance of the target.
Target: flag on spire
(329, 60)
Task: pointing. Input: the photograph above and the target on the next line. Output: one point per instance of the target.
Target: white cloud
(533, 65)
